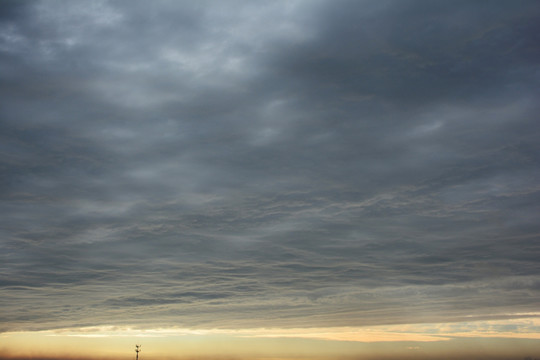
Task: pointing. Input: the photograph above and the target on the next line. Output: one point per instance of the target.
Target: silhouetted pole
(137, 350)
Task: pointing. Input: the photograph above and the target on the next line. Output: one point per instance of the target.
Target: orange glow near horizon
(413, 339)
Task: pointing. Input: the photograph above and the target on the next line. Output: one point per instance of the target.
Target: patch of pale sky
(528, 325)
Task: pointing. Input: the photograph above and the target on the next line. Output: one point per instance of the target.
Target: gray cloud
(283, 164)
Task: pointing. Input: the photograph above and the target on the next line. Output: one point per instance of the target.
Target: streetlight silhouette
(137, 350)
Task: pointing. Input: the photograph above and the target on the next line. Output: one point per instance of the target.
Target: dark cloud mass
(228, 164)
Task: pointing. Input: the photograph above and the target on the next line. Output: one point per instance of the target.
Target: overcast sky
(240, 164)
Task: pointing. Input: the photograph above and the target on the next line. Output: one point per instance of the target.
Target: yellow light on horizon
(113, 341)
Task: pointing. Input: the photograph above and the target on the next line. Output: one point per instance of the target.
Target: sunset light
(269, 180)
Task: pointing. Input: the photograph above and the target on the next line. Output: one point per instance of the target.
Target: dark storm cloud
(243, 164)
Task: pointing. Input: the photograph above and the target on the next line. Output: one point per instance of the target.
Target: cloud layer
(284, 164)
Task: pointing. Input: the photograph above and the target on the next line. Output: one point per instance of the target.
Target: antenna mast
(137, 350)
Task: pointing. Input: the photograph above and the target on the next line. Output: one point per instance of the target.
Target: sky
(229, 178)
